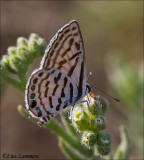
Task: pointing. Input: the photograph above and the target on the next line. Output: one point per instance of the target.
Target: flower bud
(22, 42)
(33, 47)
(24, 55)
(42, 46)
(12, 50)
(103, 139)
(89, 138)
(5, 62)
(103, 143)
(17, 64)
(93, 110)
(97, 124)
(103, 150)
(33, 36)
(36, 45)
(103, 104)
(79, 118)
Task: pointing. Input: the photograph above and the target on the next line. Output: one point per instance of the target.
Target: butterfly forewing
(66, 52)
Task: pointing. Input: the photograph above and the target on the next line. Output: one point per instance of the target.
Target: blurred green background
(113, 38)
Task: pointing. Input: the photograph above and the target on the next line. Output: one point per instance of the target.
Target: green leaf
(122, 151)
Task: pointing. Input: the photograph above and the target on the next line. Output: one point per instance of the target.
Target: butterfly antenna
(106, 94)
(90, 73)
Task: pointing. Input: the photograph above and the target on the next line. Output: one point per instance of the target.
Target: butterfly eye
(39, 113)
(88, 89)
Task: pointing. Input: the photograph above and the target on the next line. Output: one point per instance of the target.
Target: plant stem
(12, 81)
(23, 80)
(24, 113)
(122, 151)
(67, 123)
(56, 127)
(68, 151)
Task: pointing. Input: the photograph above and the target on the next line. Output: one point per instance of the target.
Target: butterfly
(60, 81)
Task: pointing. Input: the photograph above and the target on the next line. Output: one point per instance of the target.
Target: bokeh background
(113, 37)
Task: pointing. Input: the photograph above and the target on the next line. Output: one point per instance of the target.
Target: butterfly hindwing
(49, 91)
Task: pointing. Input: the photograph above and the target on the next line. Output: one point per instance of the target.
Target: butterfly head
(88, 89)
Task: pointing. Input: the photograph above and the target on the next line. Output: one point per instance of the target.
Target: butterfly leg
(72, 108)
(88, 106)
(42, 121)
(88, 98)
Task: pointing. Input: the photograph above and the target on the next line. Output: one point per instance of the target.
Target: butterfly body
(60, 80)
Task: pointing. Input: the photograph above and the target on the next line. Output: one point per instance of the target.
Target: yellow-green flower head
(87, 115)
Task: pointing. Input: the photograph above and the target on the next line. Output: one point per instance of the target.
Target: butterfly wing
(61, 79)
(66, 53)
(49, 91)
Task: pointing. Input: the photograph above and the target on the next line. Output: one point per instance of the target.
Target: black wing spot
(80, 88)
(56, 79)
(52, 71)
(65, 82)
(64, 106)
(73, 67)
(75, 55)
(71, 41)
(50, 102)
(48, 112)
(32, 104)
(40, 74)
(66, 31)
(77, 45)
(44, 118)
(60, 38)
(62, 93)
(33, 87)
(51, 53)
(56, 45)
(39, 112)
(47, 83)
(32, 95)
(62, 62)
(59, 100)
(48, 117)
(58, 107)
(75, 34)
(35, 80)
(54, 91)
(71, 92)
(46, 91)
(73, 28)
